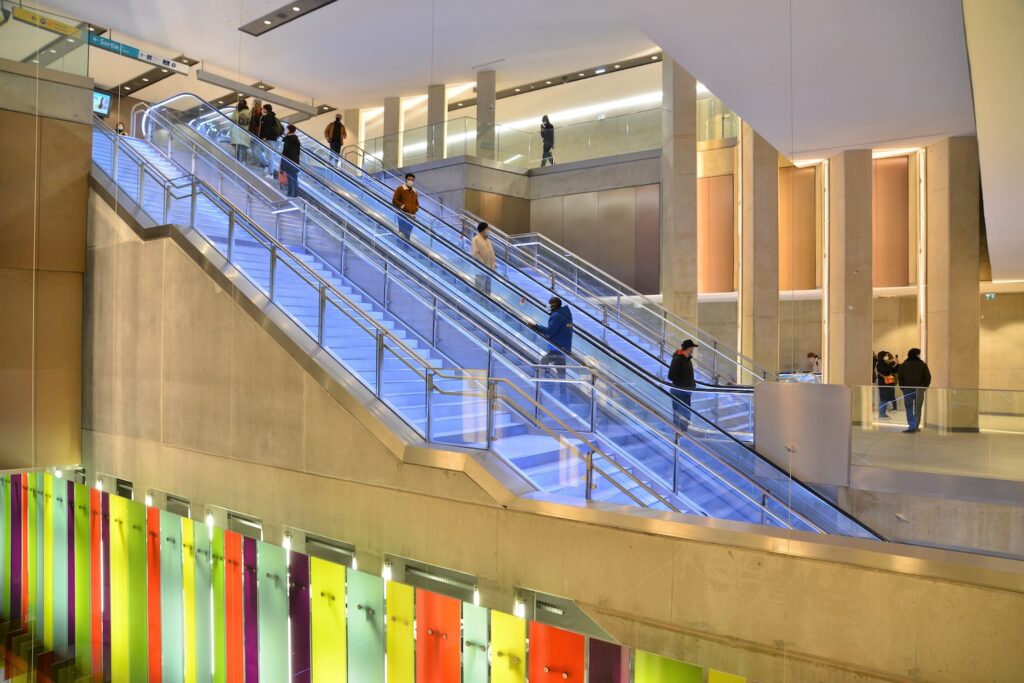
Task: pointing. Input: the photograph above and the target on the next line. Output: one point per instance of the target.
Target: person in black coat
(290, 164)
(914, 377)
(547, 138)
(269, 134)
(680, 374)
(885, 377)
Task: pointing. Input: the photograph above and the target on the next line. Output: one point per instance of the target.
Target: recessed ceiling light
(91, 28)
(599, 71)
(618, 66)
(35, 61)
(518, 89)
(267, 22)
(326, 107)
(240, 94)
(296, 9)
(654, 56)
(261, 87)
(145, 80)
(582, 74)
(163, 71)
(460, 104)
(548, 82)
(127, 87)
(71, 40)
(53, 51)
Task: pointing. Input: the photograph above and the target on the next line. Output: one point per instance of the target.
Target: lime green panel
(271, 568)
(508, 648)
(652, 668)
(119, 656)
(219, 607)
(29, 607)
(204, 666)
(400, 640)
(188, 588)
(60, 567)
(330, 645)
(83, 581)
(38, 581)
(365, 628)
(138, 596)
(47, 553)
(722, 677)
(474, 643)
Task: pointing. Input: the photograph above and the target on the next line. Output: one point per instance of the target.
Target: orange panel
(555, 655)
(233, 605)
(438, 638)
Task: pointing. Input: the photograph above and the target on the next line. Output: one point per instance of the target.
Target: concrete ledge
(28, 89)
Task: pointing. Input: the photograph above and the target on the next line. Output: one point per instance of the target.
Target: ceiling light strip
(281, 16)
(255, 91)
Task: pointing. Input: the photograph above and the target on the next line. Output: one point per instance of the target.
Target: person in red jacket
(408, 203)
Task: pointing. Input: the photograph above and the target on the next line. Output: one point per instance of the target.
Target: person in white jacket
(240, 131)
(483, 251)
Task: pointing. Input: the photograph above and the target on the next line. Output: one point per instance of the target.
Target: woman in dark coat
(885, 376)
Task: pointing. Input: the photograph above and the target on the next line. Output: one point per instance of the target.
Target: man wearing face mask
(408, 202)
(558, 332)
(680, 373)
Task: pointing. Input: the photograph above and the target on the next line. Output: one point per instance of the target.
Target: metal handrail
(383, 332)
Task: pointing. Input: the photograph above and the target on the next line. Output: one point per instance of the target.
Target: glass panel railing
(372, 346)
(965, 432)
(44, 39)
(640, 407)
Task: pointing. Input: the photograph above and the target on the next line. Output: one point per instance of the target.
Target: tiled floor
(997, 451)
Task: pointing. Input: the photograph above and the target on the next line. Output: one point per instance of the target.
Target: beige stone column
(848, 296)
(679, 192)
(392, 128)
(952, 300)
(350, 117)
(437, 112)
(486, 99)
(759, 251)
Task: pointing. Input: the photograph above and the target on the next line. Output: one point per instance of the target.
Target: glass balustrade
(44, 39)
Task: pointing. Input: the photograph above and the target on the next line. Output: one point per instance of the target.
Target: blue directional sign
(135, 53)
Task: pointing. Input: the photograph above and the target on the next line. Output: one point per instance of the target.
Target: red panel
(233, 606)
(95, 518)
(438, 638)
(555, 653)
(24, 550)
(153, 563)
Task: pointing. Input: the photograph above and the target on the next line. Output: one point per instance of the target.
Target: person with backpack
(270, 132)
(680, 374)
(558, 332)
(240, 131)
(914, 377)
(290, 162)
(335, 134)
(547, 138)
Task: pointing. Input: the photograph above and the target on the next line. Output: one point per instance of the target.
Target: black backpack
(278, 128)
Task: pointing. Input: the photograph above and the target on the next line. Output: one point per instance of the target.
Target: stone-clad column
(437, 112)
(849, 293)
(953, 306)
(679, 192)
(759, 251)
(486, 99)
(392, 128)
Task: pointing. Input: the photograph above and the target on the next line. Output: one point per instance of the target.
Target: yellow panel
(329, 635)
(508, 648)
(722, 677)
(400, 643)
(119, 641)
(48, 561)
(188, 581)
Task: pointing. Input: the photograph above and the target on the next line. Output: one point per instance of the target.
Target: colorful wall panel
(438, 642)
(555, 654)
(401, 643)
(143, 595)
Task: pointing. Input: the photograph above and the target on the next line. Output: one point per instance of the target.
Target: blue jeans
(405, 225)
(681, 408)
(913, 402)
(292, 171)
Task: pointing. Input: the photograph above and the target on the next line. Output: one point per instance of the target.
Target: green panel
(47, 555)
(219, 607)
(508, 646)
(722, 677)
(365, 628)
(5, 504)
(29, 607)
(400, 640)
(330, 647)
(119, 638)
(172, 618)
(204, 664)
(60, 567)
(474, 643)
(272, 571)
(138, 597)
(83, 583)
(652, 668)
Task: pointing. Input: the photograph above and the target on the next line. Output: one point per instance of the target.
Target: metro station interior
(438, 341)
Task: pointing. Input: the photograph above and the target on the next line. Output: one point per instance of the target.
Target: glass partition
(44, 39)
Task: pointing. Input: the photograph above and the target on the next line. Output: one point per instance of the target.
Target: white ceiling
(354, 54)
(831, 74)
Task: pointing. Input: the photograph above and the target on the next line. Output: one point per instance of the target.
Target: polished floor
(997, 451)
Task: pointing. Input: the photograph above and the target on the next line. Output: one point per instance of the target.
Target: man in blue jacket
(558, 332)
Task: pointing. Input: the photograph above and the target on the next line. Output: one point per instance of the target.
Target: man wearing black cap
(680, 374)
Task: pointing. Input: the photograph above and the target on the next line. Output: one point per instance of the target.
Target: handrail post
(593, 403)
(273, 263)
(433, 330)
(589, 480)
(536, 393)
(231, 234)
(379, 361)
(429, 382)
(323, 312)
(142, 180)
(305, 223)
(492, 399)
(167, 201)
(195, 200)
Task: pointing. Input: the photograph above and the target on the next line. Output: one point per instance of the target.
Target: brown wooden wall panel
(648, 239)
(511, 214)
(616, 239)
(546, 217)
(715, 234)
(580, 217)
(797, 228)
(890, 204)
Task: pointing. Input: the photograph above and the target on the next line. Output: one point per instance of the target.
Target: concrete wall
(47, 143)
(1002, 338)
(186, 393)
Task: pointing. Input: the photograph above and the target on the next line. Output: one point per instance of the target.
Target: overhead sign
(135, 53)
(48, 23)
